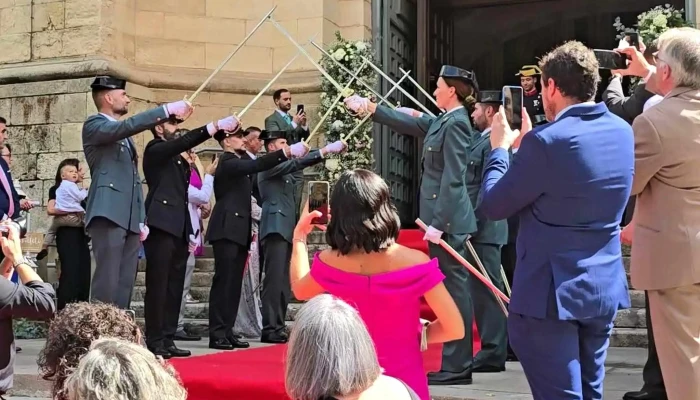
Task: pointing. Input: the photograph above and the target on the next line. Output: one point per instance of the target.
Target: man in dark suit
(276, 229)
(229, 230)
(296, 129)
(170, 230)
(445, 204)
(569, 183)
(9, 200)
(487, 241)
(115, 214)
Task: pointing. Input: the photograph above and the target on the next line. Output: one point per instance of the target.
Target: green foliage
(339, 122)
(651, 24)
(25, 329)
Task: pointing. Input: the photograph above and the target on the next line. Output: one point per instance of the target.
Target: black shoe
(645, 395)
(220, 344)
(161, 351)
(176, 352)
(42, 254)
(488, 369)
(450, 378)
(237, 343)
(186, 337)
(274, 338)
(18, 349)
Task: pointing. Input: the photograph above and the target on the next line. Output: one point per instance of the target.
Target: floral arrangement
(651, 24)
(339, 122)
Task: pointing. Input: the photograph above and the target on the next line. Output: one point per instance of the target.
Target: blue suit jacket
(5, 198)
(569, 184)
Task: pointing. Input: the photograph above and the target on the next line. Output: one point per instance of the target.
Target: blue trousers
(562, 360)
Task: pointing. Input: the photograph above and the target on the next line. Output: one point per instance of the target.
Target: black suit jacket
(627, 108)
(168, 176)
(233, 186)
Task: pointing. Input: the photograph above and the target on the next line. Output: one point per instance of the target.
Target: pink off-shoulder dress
(389, 304)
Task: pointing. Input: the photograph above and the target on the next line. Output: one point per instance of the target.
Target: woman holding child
(66, 199)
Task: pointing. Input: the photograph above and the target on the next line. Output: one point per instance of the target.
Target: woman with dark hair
(72, 247)
(382, 279)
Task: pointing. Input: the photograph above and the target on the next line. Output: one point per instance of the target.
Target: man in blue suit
(569, 184)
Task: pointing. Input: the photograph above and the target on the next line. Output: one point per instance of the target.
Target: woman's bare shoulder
(411, 256)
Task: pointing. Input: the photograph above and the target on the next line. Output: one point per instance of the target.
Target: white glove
(193, 243)
(336, 147)
(144, 232)
(433, 235)
(229, 124)
(180, 109)
(405, 110)
(299, 150)
(357, 104)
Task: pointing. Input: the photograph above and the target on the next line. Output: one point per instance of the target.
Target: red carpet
(258, 374)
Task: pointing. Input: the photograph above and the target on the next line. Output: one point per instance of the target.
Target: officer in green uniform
(490, 236)
(444, 202)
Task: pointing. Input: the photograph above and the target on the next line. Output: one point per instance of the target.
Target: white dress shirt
(69, 196)
(196, 198)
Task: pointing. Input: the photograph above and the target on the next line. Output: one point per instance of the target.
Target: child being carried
(68, 198)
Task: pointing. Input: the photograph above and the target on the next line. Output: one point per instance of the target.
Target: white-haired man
(665, 230)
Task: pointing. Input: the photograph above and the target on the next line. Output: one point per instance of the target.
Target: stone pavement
(623, 366)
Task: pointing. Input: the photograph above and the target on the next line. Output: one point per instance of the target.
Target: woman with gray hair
(332, 357)
(114, 369)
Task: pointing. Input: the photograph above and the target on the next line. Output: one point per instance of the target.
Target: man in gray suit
(295, 128)
(444, 201)
(277, 190)
(115, 212)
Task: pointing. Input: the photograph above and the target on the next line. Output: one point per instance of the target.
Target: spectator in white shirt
(69, 195)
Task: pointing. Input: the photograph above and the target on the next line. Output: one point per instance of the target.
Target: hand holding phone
(318, 201)
(513, 106)
(610, 59)
(300, 109)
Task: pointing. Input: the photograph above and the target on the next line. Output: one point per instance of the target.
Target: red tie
(8, 190)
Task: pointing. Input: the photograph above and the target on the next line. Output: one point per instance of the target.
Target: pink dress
(389, 304)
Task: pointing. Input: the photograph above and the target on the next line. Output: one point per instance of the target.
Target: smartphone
(513, 105)
(300, 108)
(319, 200)
(634, 39)
(609, 59)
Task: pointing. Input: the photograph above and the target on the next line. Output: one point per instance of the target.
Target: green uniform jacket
(444, 202)
(488, 232)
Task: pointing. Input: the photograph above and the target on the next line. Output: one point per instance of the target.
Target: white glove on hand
(144, 232)
(336, 147)
(299, 150)
(433, 235)
(229, 124)
(180, 109)
(357, 104)
(405, 110)
(193, 243)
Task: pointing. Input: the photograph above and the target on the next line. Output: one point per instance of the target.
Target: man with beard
(296, 130)
(170, 229)
(487, 242)
(532, 99)
(115, 214)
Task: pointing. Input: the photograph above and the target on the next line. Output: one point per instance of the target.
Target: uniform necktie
(8, 190)
(288, 119)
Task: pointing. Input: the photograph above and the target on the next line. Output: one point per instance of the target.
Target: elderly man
(665, 230)
(568, 183)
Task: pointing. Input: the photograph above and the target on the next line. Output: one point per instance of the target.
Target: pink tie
(8, 190)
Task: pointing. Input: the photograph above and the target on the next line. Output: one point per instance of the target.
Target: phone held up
(513, 105)
(300, 108)
(319, 200)
(610, 59)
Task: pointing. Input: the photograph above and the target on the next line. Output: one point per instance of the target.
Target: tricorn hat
(266, 135)
(529, 70)
(490, 96)
(452, 72)
(105, 82)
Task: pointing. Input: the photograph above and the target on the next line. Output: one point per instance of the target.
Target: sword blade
(402, 90)
(419, 87)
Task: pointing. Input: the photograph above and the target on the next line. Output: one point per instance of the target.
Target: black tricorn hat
(105, 82)
(490, 96)
(469, 77)
(266, 135)
(221, 135)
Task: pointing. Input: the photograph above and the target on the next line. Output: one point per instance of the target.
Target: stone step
(202, 264)
(199, 279)
(199, 293)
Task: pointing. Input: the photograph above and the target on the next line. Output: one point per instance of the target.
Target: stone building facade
(51, 49)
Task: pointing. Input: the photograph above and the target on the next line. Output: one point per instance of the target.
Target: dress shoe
(176, 352)
(220, 344)
(645, 395)
(237, 343)
(450, 378)
(18, 349)
(186, 337)
(161, 351)
(488, 369)
(274, 338)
